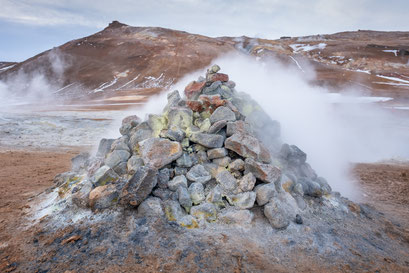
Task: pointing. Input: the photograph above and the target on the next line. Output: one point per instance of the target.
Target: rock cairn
(211, 156)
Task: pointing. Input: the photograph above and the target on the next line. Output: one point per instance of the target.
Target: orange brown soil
(25, 174)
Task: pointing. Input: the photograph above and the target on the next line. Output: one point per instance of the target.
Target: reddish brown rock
(193, 88)
(195, 105)
(218, 77)
(211, 102)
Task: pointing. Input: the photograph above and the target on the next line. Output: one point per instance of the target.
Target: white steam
(333, 135)
(35, 85)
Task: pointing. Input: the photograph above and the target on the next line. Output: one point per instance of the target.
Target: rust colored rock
(195, 105)
(212, 102)
(218, 77)
(193, 88)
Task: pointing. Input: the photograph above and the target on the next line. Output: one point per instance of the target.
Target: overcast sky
(28, 27)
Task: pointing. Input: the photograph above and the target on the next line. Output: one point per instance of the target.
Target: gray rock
(173, 211)
(134, 163)
(184, 197)
(207, 140)
(225, 92)
(244, 200)
(163, 178)
(284, 184)
(215, 196)
(325, 187)
(236, 165)
(217, 126)
(173, 100)
(158, 152)
(128, 123)
(298, 219)
(264, 193)
(138, 134)
(165, 194)
(201, 157)
(103, 176)
(79, 163)
(248, 146)
(212, 89)
(305, 170)
(198, 173)
(298, 189)
(222, 162)
(197, 193)
(235, 216)
(116, 157)
(121, 144)
(276, 215)
(222, 113)
(180, 171)
(247, 182)
(81, 195)
(185, 161)
(139, 186)
(230, 84)
(175, 134)
(265, 172)
(103, 197)
(216, 153)
(151, 207)
(121, 168)
(311, 188)
(238, 126)
(179, 117)
(176, 182)
(205, 211)
(293, 155)
(104, 147)
(227, 182)
(215, 68)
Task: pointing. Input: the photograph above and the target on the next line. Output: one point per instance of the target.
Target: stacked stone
(201, 160)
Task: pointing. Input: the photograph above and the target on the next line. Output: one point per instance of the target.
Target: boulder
(158, 152)
(104, 147)
(265, 172)
(311, 188)
(217, 126)
(157, 123)
(103, 176)
(80, 193)
(244, 200)
(197, 194)
(165, 194)
(175, 134)
(216, 153)
(279, 213)
(238, 126)
(184, 197)
(247, 182)
(121, 168)
(193, 89)
(134, 163)
(163, 178)
(116, 157)
(222, 113)
(205, 211)
(236, 165)
(173, 100)
(138, 134)
(180, 117)
(151, 207)
(293, 155)
(128, 123)
(217, 77)
(227, 182)
(103, 197)
(185, 161)
(248, 146)
(223, 161)
(198, 173)
(176, 182)
(139, 186)
(207, 140)
(264, 193)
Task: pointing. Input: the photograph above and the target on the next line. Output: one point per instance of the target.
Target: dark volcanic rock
(139, 186)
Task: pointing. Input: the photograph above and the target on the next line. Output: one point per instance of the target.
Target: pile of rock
(211, 156)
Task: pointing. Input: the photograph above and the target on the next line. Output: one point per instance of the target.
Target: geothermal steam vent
(211, 156)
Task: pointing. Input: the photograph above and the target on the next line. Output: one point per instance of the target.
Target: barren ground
(24, 174)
